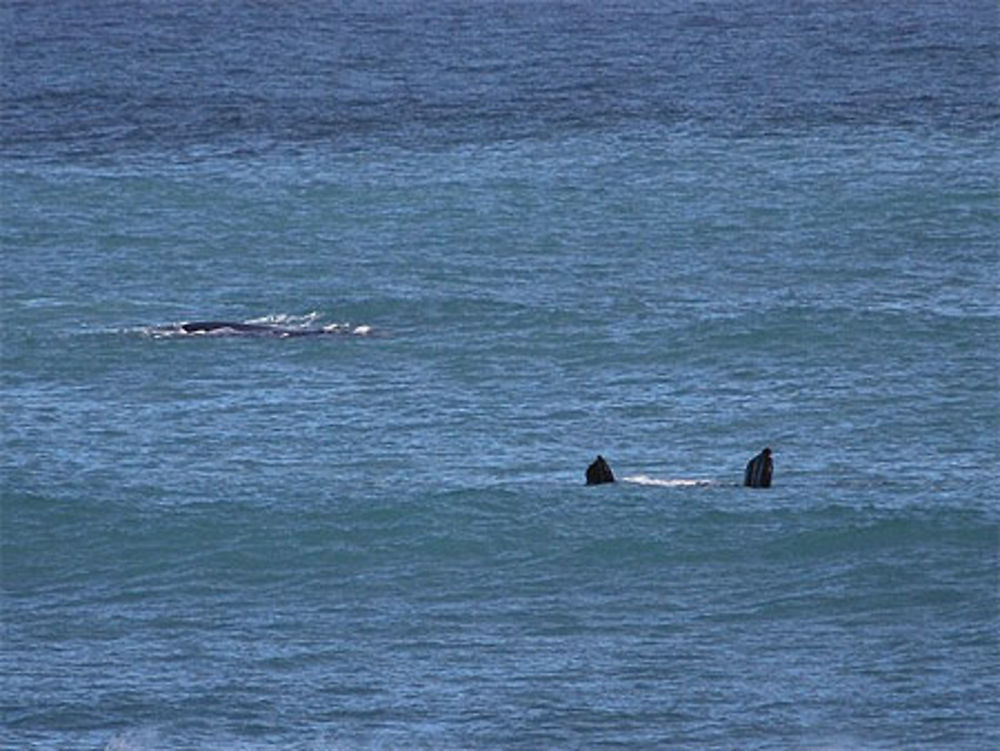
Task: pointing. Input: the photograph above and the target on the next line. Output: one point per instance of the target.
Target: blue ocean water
(668, 232)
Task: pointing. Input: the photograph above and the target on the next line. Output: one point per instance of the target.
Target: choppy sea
(670, 233)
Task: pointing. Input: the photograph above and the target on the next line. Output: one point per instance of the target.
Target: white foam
(667, 482)
(134, 740)
(286, 319)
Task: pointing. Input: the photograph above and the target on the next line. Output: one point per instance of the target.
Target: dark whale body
(251, 329)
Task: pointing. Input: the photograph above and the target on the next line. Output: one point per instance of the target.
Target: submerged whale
(209, 327)
(263, 329)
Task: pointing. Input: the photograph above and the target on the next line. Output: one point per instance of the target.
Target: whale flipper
(599, 472)
(759, 470)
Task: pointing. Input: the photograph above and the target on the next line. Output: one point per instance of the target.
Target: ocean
(524, 234)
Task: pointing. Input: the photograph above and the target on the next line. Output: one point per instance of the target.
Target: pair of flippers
(757, 474)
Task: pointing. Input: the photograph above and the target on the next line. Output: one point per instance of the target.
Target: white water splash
(668, 482)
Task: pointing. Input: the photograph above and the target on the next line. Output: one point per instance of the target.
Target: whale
(209, 327)
(235, 328)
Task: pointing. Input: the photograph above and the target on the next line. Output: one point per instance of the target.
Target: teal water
(666, 234)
